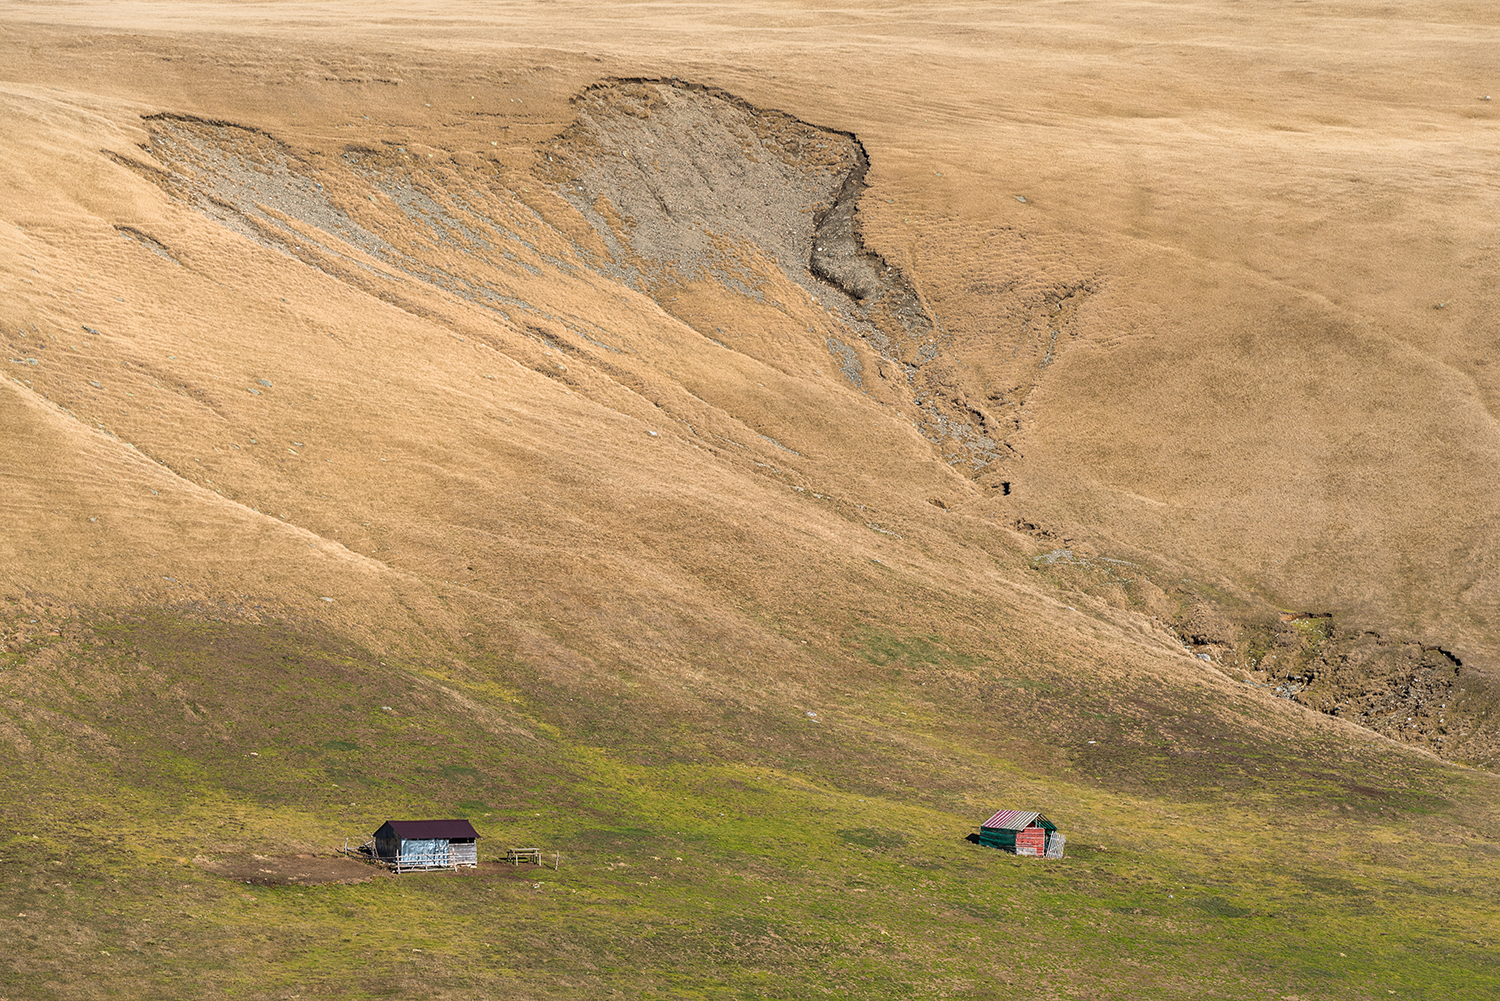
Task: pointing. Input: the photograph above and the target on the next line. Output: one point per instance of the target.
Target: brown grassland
(737, 447)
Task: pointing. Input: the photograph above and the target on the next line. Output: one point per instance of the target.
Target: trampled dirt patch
(293, 870)
(317, 870)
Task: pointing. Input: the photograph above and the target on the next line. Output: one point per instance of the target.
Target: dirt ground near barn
(317, 870)
(293, 870)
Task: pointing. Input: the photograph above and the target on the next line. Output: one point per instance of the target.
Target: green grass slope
(1213, 851)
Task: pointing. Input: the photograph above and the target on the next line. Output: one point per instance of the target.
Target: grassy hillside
(769, 853)
(735, 453)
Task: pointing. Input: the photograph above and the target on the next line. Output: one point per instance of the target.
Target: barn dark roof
(427, 830)
(1017, 820)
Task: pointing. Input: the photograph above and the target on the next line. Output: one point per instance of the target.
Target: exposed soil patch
(315, 870)
(674, 185)
(293, 870)
(685, 183)
(678, 179)
(1410, 691)
(432, 232)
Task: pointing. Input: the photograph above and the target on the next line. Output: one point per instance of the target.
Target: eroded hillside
(742, 224)
(739, 477)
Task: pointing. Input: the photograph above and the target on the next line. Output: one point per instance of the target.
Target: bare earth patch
(316, 870)
(292, 870)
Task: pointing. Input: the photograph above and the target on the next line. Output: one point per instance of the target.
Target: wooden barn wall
(387, 846)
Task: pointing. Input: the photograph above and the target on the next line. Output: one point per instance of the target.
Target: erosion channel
(733, 219)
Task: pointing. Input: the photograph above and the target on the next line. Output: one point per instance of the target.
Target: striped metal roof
(1017, 820)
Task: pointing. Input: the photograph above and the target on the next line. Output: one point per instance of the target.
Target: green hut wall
(1030, 831)
(1005, 840)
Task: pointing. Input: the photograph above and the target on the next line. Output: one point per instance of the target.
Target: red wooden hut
(1024, 832)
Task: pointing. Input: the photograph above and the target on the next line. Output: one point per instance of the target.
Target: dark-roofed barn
(427, 844)
(1024, 832)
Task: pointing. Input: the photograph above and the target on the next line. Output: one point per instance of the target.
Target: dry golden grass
(324, 391)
